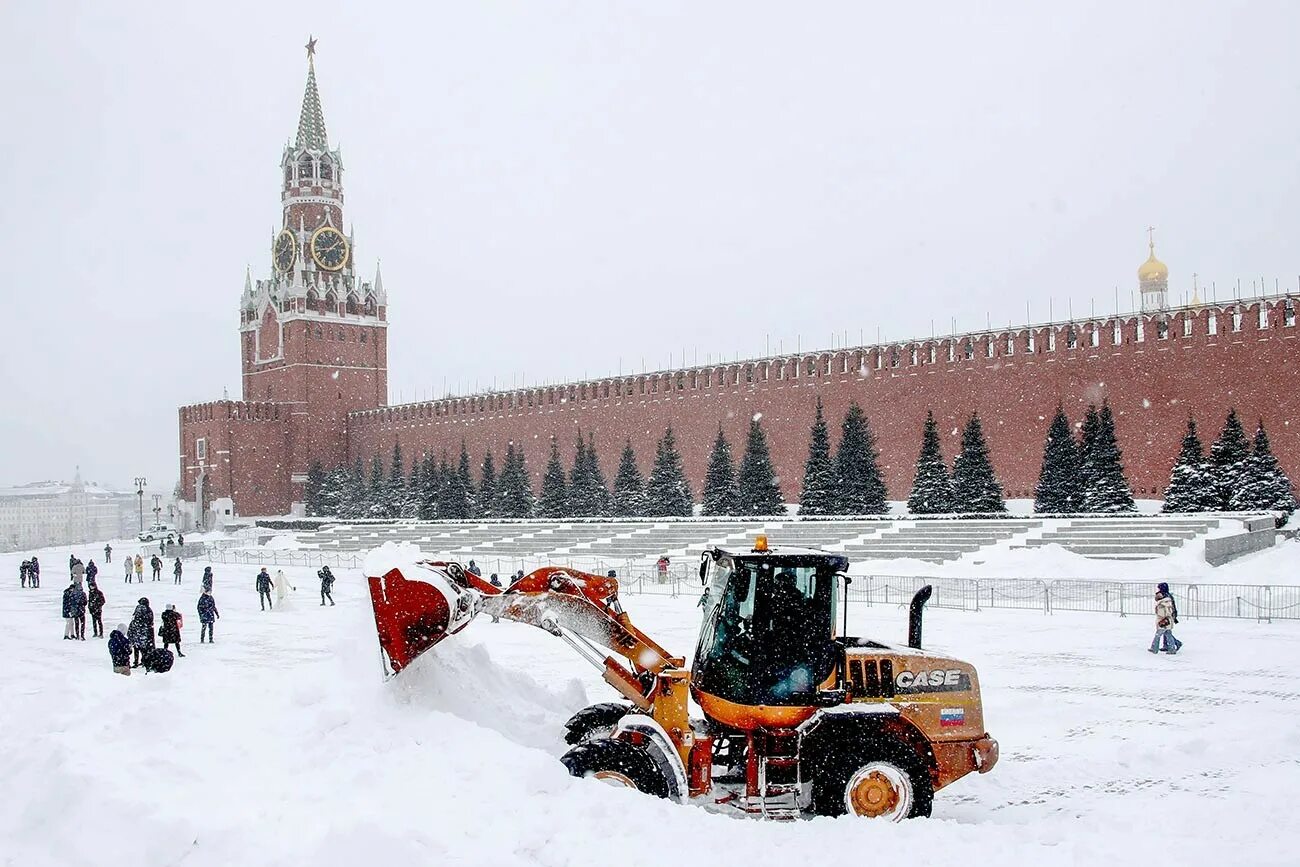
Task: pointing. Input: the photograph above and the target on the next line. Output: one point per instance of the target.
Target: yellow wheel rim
(879, 790)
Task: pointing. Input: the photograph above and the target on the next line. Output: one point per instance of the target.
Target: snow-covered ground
(280, 744)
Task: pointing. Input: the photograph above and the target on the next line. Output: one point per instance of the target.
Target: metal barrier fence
(1266, 602)
(1246, 601)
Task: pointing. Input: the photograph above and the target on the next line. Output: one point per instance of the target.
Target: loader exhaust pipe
(914, 613)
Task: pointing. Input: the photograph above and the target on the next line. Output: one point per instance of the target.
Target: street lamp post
(157, 509)
(140, 482)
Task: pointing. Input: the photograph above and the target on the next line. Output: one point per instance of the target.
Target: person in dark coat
(176, 570)
(91, 570)
(180, 539)
(208, 615)
(264, 585)
(95, 601)
(108, 553)
(170, 631)
(473, 569)
(326, 584)
(207, 579)
(156, 563)
(119, 650)
(495, 582)
(141, 631)
(72, 561)
(34, 573)
(74, 602)
(23, 570)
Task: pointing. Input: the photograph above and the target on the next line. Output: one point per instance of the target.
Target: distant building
(43, 514)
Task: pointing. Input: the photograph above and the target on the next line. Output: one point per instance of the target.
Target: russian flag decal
(952, 716)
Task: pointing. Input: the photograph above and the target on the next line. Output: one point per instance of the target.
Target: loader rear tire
(595, 721)
(872, 772)
(619, 763)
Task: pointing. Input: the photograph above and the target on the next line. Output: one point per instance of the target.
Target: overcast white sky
(568, 189)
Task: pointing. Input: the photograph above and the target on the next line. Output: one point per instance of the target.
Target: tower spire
(311, 121)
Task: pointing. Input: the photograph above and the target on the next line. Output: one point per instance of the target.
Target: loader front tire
(879, 778)
(617, 763)
(594, 721)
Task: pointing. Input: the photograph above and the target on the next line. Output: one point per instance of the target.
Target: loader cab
(769, 627)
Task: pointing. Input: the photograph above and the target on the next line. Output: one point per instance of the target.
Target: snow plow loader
(798, 719)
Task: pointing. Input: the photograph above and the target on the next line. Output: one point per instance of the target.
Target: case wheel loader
(797, 718)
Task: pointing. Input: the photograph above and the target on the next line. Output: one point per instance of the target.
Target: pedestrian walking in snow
(92, 571)
(473, 568)
(177, 570)
(141, 630)
(34, 573)
(282, 586)
(74, 609)
(108, 553)
(326, 584)
(119, 650)
(139, 569)
(495, 582)
(264, 585)
(207, 615)
(170, 631)
(23, 569)
(162, 546)
(127, 565)
(155, 563)
(78, 572)
(180, 539)
(72, 561)
(207, 579)
(661, 569)
(95, 602)
(1166, 617)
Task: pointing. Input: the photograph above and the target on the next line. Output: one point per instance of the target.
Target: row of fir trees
(1080, 473)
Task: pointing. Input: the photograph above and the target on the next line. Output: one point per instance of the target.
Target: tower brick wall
(1164, 368)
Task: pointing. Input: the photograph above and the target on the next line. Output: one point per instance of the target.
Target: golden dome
(1153, 268)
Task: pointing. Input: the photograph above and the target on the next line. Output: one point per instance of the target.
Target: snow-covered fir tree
(758, 490)
(1102, 465)
(430, 489)
(1059, 489)
(453, 499)
(818, 494)
(466, 482)
(720, 494)
(485, 506)
(598, 490)
(414, 487)
(1228, 460)
(377, 492)
(514, 488)
(974, 486)
(395, 496)
(932, 492)
(311, 491)
(667, 493)
(629, 489)
(354, 503)
(1191, 483)
(1265, 486)
(588, 496)
(859, 486)
(334, 491)
(553, 501)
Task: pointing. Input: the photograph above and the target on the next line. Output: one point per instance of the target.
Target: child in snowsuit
(1166, 617)
(170, 631)
(119, 650)
(95, 600)
(263, 585)
(207, 615)
(326, 584)
(141, 631)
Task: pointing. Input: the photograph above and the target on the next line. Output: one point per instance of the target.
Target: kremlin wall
(313, 339)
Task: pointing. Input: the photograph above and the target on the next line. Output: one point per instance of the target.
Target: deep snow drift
(281, 745)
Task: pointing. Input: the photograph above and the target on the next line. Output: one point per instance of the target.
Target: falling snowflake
(335, 375)
(1146, 404)
(758, 416)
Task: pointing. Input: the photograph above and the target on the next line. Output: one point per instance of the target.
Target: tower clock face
(329, 248)
(284, 252)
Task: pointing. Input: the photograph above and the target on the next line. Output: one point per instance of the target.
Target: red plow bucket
(419, 605)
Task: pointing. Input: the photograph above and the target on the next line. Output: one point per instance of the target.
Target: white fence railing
(1246, 601)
